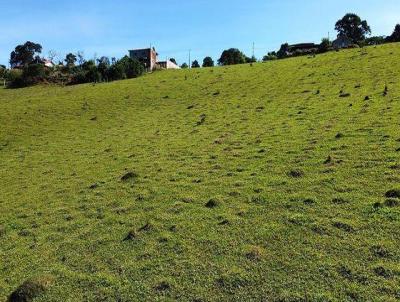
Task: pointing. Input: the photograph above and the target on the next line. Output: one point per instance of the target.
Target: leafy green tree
(70, 59)
(353, 27)
(116, 72)
(395, 37)
(103, 64)
(325, 45)
(283, 51)
(25, 54)
(33, 74)
(184, 66)
(90, 72)
(14, 78)
(208, 62)
(132, 68)
(195, 64)
(93, 75)
(3, 73)
(232, 56)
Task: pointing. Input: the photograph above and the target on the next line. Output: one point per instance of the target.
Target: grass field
(247, 183)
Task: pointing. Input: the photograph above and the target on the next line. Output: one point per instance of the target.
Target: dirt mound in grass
(31, 289)
(395, 193)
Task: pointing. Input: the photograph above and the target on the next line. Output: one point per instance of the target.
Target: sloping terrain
(268, 182)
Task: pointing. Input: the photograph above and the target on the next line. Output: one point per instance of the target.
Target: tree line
(351, 26)
(28, 68)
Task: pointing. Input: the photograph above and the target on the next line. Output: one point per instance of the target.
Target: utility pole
(190, 65)
(253, 50)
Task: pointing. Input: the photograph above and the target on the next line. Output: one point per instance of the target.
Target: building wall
(172, 65)
(147, 56)
(167, 65)
(153, 59)
(341, 42)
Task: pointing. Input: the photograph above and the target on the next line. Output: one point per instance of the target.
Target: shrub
(78, 77)
(325, 45)
(30, 75)
(3, 72)
(33, 74)
(14, 78)
(132, 68)
(116, 72)
(93, 75)
(270, 56)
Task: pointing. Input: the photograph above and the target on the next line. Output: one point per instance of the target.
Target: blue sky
(174, 26)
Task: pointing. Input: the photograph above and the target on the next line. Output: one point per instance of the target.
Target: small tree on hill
(195, 64)
(232, 56)
(25, 54)
(208, 62)
(184, 66)
(353, 27)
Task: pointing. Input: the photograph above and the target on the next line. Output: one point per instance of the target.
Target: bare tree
(53, 56)
(81, 57)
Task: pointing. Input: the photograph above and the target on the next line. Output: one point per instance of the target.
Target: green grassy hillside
(244, 183)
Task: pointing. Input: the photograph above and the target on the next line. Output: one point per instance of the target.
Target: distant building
(147, 56)
(167, 65)
(302, 47)
(298, 49)
(48, 63)
(42, 61)
(342, 42)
